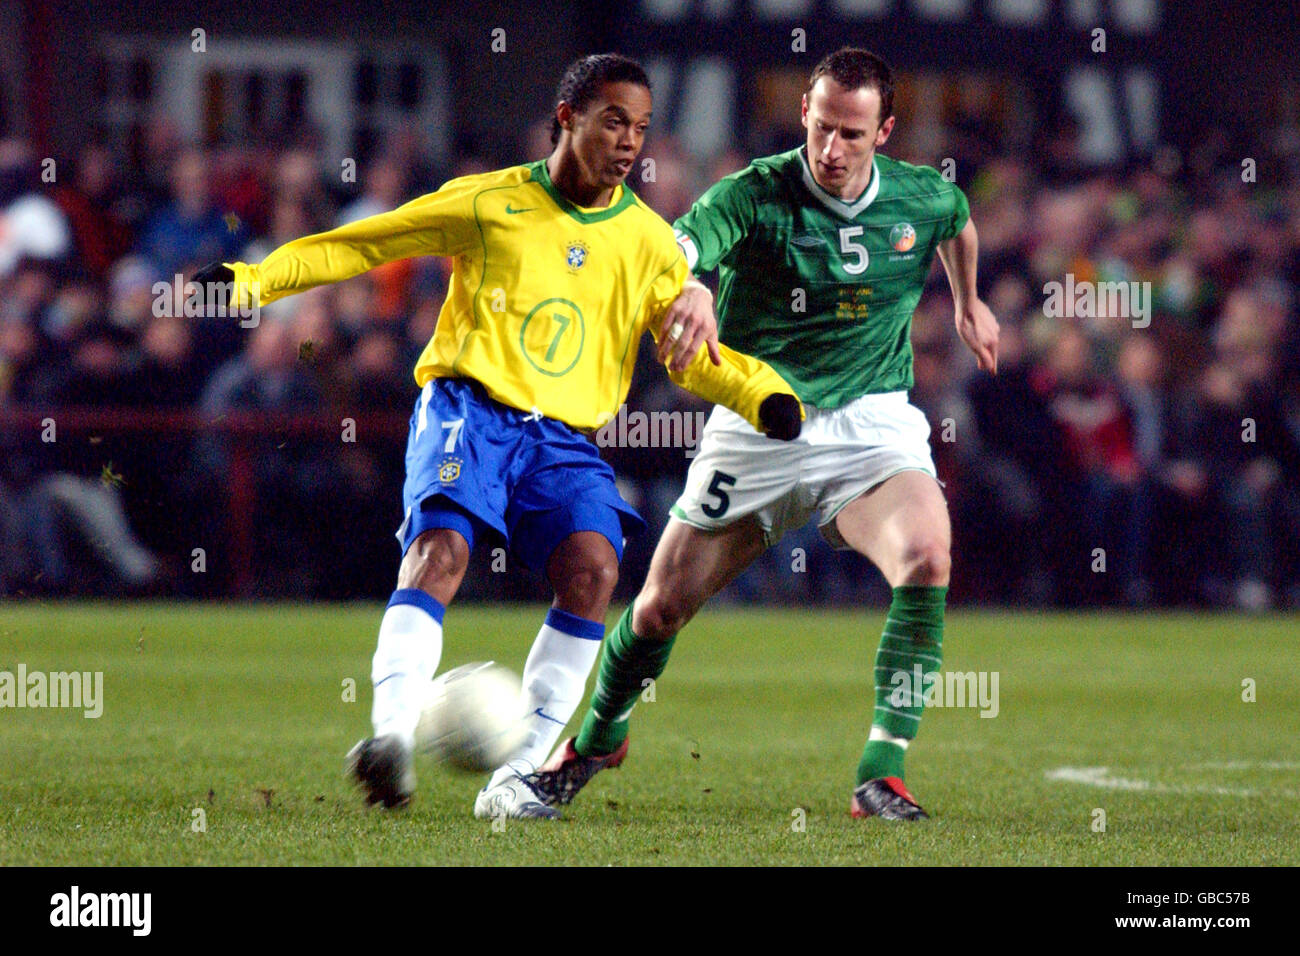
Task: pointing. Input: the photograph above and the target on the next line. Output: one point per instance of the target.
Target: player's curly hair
(584, 77)
(852, 67)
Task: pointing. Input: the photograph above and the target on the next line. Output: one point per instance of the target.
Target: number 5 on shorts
(720, 481)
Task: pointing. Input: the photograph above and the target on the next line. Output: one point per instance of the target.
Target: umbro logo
(511, 211)
(808, 241)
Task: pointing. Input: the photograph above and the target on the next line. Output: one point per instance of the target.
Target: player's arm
(718, 221)
(749, 387)
(975, 322)
(438, 224)
(706, 233)
(687, 324)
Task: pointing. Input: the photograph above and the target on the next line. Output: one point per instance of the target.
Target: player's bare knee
(437, 557)
(587, 583)
(657, 616)
(926, 562)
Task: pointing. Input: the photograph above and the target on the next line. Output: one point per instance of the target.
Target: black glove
(215, 282)
(780, 416)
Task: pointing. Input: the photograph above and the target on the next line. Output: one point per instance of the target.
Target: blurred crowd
(1111, 460)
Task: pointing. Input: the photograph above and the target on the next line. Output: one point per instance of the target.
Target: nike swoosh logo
(539, 713)
(514, 212)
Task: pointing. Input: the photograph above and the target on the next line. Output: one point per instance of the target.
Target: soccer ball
(472, 720)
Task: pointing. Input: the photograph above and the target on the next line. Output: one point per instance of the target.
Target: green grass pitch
(746, 755)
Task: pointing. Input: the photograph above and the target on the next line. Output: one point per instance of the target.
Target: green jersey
(822, 289)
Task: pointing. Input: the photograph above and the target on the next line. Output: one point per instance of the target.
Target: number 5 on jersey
(857, 249)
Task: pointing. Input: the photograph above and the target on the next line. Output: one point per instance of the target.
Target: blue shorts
(473, 463)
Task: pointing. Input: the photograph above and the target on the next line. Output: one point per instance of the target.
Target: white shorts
(840, 454)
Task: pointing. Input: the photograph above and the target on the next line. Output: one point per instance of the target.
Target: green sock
(625, 662)
(913, 637)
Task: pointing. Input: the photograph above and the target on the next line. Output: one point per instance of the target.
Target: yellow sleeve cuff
(741, 382)
(247, 293)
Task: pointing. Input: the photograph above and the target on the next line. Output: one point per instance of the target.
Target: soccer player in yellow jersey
(558, 270)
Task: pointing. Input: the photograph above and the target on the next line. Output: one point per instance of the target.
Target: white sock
(555, 677)
(406, 658)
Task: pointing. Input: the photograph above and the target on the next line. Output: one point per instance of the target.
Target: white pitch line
(1101, 777)
(1245, 765)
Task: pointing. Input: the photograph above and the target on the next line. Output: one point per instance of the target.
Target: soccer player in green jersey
(822, 254)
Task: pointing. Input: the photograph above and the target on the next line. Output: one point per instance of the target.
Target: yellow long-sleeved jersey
(547, 300)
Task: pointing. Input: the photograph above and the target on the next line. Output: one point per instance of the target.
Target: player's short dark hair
(852, 67)
(584, 77)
